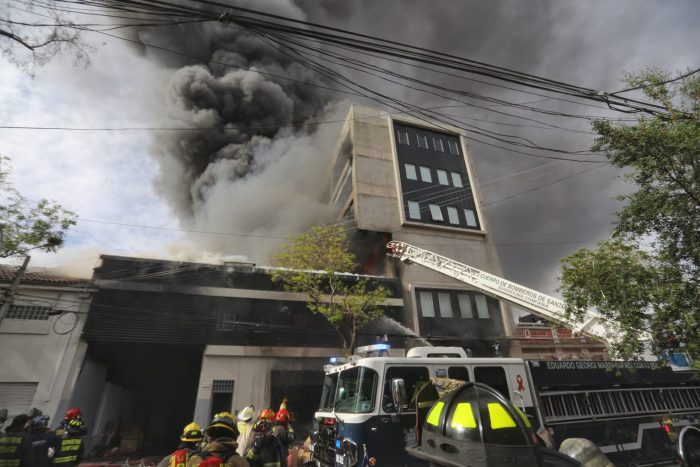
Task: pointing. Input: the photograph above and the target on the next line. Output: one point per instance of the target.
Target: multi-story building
(403, 178)
(537, 339)
(40, 347)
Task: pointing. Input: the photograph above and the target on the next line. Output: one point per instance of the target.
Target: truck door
(396, 430)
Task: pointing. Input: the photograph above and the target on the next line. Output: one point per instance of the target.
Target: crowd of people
(240, 442)
(28, 442)
(228, 441)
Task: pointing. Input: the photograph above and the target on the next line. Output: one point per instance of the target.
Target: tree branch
(16, 38)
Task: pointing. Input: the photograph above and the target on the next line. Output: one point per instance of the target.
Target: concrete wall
(46, 352)
(378, 208)
(250, 368)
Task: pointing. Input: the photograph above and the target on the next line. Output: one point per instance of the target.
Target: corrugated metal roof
(8, 272)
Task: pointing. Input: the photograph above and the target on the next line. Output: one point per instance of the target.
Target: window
(471, 218)
(457, 180)
(465, 306)
(403, 137)
(425, 174)
(452, 215)
(221, 396)
(482, 309)
(28, 312)
(458, 372)
(437, 143)
(494, 376)
(442, 177)
(413, 210)
(426, 305)
(453, 146)
(410, 171)
(330, 383)
(445, 305)
(17, 397)
(357, 389)
(414, 378)
(422, 141)
(435, 212)
(225, 321)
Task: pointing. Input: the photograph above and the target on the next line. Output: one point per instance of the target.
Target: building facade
(401, 178)
(40, 341)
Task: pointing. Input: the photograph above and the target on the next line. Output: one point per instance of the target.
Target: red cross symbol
(521, 384)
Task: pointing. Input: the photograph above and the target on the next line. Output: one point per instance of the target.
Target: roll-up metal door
(17, 397)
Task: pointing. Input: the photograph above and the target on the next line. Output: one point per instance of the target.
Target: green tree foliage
(25, 226)
(319, 263)
(648, 277)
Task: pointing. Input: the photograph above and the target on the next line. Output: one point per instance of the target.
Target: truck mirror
(398, 394)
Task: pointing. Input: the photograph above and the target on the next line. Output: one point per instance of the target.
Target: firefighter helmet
(222, 426)
(72, 413)
(246, 413)
(282, 416)
(192, 433)
(475, 422)
(267, 414)
(39, 421)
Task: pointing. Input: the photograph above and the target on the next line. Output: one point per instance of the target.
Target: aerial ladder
(542, 305)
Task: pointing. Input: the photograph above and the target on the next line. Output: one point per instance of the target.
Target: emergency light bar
(380, 349)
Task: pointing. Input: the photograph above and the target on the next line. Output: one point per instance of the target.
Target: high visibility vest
(10, 454)
(181, 457)
(68, 451)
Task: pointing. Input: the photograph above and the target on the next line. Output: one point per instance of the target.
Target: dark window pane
(414, 378)
(494, 376)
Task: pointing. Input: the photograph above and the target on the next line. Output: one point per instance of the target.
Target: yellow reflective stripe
(9, 462)
(463, 416)
(526, 420)
(434, 415)
(8, 449)
(63, 460)
(499, 417)
(70, 448)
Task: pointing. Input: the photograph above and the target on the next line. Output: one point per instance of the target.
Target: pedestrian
(16, 445)
(245, 429)
(70, 448)
(190, 441)
(220, 449)
(44, 441)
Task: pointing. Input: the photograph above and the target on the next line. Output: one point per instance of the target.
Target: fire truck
(371, 408)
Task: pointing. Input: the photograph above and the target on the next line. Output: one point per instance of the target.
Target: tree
(320, 264)
(29, 45)
(647, 277)
(25, 226)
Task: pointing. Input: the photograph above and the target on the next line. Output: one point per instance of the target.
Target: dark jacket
(41, 442)
(69, 452)
(15, 448)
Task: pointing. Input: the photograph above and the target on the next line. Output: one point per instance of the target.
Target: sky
(262, 187)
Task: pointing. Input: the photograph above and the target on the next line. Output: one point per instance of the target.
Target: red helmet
(72, 413)
(267, 414)
(282, 416)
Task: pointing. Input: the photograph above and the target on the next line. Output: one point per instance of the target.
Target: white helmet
(246, 413)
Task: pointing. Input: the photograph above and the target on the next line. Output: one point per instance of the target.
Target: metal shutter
(17, 397)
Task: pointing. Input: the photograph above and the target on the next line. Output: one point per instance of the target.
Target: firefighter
(44, 441)
(245, 429)
(71, 414)
(190, 438)
(266, 449)
(282, 429)
(16, 445)
(70, 447)
(220, 449)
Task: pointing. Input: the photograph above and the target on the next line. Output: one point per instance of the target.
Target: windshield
(328, 395)
(357, 389)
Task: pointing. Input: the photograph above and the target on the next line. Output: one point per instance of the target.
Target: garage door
(16, 397)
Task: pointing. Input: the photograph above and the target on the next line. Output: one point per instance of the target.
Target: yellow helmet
(192, 433)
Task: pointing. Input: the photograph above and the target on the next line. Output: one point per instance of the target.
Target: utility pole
(6, 297)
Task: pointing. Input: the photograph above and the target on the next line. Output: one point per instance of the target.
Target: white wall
(250, 369)
(33, 352)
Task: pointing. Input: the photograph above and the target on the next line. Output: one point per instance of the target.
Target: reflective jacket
(15, 449)
(69, 452)
(183, 457)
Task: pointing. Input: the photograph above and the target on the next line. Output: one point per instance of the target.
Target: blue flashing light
(334, 359)
(382, 346)
(338, 443)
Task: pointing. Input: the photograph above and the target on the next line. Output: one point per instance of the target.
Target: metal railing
(595, 404)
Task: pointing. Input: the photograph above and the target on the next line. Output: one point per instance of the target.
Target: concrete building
(169, 342)
(41, 351)
(401, 178)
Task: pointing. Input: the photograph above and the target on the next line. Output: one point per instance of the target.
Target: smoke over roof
(256, 171)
